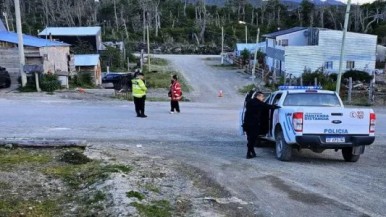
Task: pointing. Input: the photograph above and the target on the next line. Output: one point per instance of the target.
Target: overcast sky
(357, 1)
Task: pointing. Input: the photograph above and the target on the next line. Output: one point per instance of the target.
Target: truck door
(263, 130)
(274, 101)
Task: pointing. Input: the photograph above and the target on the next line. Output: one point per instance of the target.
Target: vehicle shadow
(305, 155)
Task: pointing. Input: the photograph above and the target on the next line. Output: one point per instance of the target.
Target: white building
(293, 50)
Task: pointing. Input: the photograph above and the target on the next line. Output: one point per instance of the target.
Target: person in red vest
(175, 94)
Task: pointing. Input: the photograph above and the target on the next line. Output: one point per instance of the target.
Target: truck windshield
(312, 99)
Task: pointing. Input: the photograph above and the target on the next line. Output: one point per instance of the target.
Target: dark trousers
(252, 137)
(139, 105)
(174, 105)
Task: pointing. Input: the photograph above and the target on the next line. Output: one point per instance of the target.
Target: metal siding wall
(295, 38)
(299, 57)
(9, 58)
(360, 48)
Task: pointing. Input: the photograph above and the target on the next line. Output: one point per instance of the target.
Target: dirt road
(207, 77)
(203, 140)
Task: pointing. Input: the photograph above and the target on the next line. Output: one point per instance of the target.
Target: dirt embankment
(109, 182)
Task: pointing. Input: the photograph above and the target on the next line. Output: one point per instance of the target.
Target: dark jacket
(253, 113)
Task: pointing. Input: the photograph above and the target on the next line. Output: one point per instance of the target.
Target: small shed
(89, 63)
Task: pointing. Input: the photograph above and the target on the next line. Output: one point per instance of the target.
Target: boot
(249, 155)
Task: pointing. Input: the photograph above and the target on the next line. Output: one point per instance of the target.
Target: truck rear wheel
(8, 83)
(283, 150)
(349, 156)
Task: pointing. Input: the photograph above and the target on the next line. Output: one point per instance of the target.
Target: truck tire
(349, 156)
(283, 150)
(8, 83)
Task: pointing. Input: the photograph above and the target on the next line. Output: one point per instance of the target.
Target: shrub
(82, 79)
(49, 82)
(245, 55)
(358, 75)
(355, 75)
(74, 157)
(30, 86)
(322, 77)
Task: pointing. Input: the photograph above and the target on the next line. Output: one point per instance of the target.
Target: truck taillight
(372, 123)
(297, 121)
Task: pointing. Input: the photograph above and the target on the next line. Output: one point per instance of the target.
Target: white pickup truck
(316, 119)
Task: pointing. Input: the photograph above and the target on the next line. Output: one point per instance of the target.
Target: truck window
(267, 98)
(276, 99)
(313, 99)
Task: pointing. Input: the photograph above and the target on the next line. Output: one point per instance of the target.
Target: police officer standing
(139, 94)
(253, 118)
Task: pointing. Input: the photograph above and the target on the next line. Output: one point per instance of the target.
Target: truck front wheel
(283, 150)
(349, 156)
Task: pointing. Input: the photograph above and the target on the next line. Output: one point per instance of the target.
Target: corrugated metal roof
(70, 31)
(86, 59)
(283, 32)
(29, 40)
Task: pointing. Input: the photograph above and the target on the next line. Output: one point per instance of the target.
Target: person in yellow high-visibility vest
(139, 94)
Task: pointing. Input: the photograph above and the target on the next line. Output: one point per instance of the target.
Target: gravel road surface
(204, 136)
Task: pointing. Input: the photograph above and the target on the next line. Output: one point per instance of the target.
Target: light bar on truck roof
(300, 87)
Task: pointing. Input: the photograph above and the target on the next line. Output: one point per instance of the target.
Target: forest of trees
(194, 23)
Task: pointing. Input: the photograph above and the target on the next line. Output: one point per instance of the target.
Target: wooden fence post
(370, 99)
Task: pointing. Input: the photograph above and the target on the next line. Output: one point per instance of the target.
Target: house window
(284, 42)
(350, 64)
(328, 65)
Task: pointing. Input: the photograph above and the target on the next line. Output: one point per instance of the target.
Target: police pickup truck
(317, 119)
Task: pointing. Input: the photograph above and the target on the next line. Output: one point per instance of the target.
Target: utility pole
(222, 45)
(254, 59)
(339, 79)
(20, 43)
(246, 34)
(148, 48)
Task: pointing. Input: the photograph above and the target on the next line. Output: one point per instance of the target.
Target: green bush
(49, 82)
(82, 79)
(358, 75)
(30, 86)
(245, 55)
(355, 75)
(322, 77)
